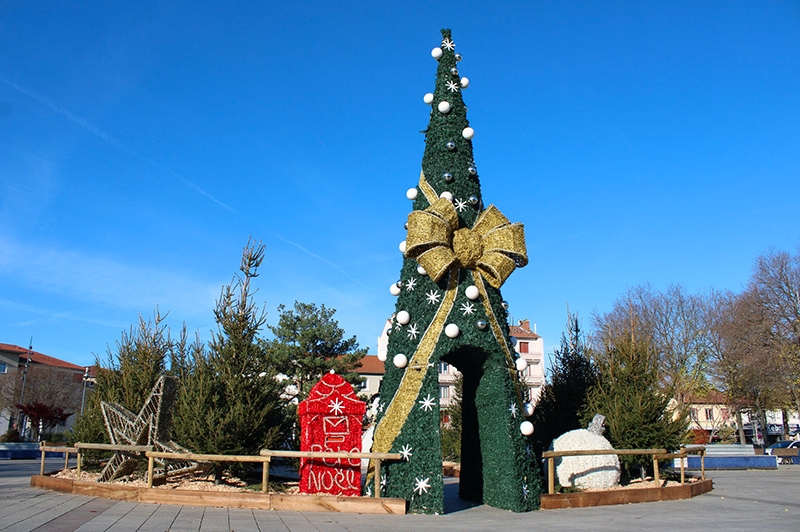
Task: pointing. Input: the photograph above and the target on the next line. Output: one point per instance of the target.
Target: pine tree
(449, 309)
(128, 374)
(309, 343)
(230, 401)
(563, 398)
(637, 411)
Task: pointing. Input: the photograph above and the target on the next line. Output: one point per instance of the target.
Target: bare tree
(674, 323)
(775, 284)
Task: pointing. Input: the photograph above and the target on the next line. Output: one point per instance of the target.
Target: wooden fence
(264, 457)
(658, 454)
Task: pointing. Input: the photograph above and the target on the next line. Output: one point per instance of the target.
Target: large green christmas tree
(449, 309)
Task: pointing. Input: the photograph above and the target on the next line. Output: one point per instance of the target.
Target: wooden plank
(253, 500)
(624, 496)
(269, 520)
(587, 452)
(241, 519)
(162, 518)
(104, 521)
(326, 454)
(196, 457)
(215, 520)
(189, 518)
(114, 447)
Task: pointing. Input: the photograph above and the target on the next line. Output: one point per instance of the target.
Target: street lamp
(85, 380)
(21, 421)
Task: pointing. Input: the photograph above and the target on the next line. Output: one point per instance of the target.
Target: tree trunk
(785, 432)
(218, 468)
(740, 426)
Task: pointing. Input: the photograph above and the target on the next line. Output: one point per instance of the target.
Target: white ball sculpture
(597, 472)
(400, 360)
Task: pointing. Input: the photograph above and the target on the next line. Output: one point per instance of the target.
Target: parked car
(785, 444)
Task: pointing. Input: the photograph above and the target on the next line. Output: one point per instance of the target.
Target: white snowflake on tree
(383, 481)
(433, 297)
(525, 491)
(406, 452)
(427, 403)
(422, 485)
(453, 86)
(513, 409)
(461, 205)
(412, 332)
(398, 325)
(369, 491)
(336, 406)
(411, 284)
(448, 44)
(467, 308)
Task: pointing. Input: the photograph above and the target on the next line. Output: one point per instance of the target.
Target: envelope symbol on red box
(335, 425)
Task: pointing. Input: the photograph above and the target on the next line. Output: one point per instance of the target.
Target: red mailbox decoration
(330, 420)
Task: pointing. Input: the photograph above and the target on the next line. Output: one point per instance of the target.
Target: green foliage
(230, 401)
(309, 343)
(128, 374)
(451, 430)
(636, 409)
(564, 396)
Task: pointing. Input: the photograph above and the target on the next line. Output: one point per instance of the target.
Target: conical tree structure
(449, 309)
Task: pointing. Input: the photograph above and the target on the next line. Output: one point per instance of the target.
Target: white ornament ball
(452, 330)
(382, 355)
(513, 340)
(411, 193)
(402, 246)
(428, 98)
(521, 364)
(394, 289)
(595, 472)
(526, 427)
(400, 360)
(472, 292)
(403, 317)
(421, 270)
(446, 195)
(436, 53)
(468, 133)
(528, 409)
(464, 82)
(444, 107)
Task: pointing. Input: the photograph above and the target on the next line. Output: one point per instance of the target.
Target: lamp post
(21, 421)
(85, 380)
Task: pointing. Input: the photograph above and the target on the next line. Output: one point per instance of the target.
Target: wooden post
(66, 460)
(703, 464)
(150, 463)
(551, 475)
(682, 471)
(265, 476)
(41, 467)
(78, 469)
(377, 478)
(655, 471)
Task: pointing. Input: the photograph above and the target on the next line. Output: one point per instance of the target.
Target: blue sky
(142, 144)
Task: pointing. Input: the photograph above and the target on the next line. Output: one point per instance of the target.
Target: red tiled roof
(38, 358)
(712, 397)
(523, 330)
(372, 365)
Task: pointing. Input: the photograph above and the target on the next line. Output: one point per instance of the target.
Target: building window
(444, 392)
(3, 367)
(709, 414)
(443, 367)
(523, 347)
(725, 414)
(693, 414)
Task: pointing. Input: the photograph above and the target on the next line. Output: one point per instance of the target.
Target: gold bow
(493, 247)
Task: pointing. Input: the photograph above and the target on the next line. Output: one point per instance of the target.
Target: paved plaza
(741, 500)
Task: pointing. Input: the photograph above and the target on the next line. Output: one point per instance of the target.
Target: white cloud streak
(91, 128)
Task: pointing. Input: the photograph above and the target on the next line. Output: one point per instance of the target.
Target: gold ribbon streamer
(426, 188)
(406, 395)
(498, 332)
(493, 246)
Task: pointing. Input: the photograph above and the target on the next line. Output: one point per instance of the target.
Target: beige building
(47, 380)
